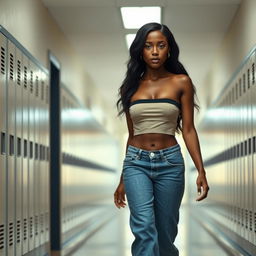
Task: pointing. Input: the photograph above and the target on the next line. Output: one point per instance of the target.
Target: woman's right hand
(119, 196)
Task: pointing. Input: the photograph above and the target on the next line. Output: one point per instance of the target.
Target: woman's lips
(155, 60)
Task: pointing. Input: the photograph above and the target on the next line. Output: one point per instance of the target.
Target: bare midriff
(153, 141)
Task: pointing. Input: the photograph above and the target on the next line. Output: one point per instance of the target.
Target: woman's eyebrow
(158, 41)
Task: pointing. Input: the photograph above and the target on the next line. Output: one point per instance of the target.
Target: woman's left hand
(202, 185)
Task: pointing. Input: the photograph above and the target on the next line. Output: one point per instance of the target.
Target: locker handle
(11, 149)
(18, 146)
(31, 150)
(25, 148)
(3, 144)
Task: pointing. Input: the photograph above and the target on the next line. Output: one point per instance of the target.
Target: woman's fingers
(119, 200)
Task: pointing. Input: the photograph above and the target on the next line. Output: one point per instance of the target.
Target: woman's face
(155, 47)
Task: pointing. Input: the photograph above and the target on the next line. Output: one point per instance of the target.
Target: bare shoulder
(184, 82)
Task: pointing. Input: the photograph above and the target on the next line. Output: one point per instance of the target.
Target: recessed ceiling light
(135, 17)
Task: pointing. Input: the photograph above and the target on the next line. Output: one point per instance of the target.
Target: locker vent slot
(31, 226)
(42, 91)
(36, 151)
(244, 85)
(3, 144)
(18, 72)
(242, 216)
(250, 145)
(31, 81)
(245, 148)
(37, 87)
(25, 148)
(253, 73)
(48, 154)
(1, 237)
(36, 225)
(3, 60)
(240, 87)
(246, 218)
(255, 222)
(41, 152)
(18, 146)
(25, 77)
(11, 149)
(42, 223)
(11, 234)
(248, 78)
(31, 149)
(250, 221)
(254, 144)
(18, 231)
(47, 222)
(236, 91)
(11, 66)
(25, 229)
(47, 94)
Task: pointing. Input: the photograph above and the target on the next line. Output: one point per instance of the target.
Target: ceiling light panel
(135, 17)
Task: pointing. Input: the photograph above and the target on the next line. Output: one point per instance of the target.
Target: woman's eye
(162, 45)
(147, 46)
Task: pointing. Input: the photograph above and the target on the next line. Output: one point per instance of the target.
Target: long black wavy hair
(136, 67)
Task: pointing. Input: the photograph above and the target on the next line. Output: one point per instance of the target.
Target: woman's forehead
(155, 36)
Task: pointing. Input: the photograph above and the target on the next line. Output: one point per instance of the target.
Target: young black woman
(156, 95)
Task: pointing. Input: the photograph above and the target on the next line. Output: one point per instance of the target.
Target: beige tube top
(154, 115)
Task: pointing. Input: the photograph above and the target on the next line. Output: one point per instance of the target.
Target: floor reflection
(115, 238)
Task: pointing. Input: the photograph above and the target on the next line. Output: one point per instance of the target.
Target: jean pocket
(174, 159)
(130, 157)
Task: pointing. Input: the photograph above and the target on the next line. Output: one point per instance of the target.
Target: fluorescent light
(129, 39)
(135, 17)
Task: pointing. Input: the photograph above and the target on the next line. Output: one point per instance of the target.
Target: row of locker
(25, 153)
(232, 178)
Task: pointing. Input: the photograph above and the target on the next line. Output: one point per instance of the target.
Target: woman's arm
(189, 133)
(119, 195)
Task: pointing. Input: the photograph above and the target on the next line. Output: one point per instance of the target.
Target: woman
(156, 95)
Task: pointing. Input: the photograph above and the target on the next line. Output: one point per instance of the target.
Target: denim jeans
(154, 186)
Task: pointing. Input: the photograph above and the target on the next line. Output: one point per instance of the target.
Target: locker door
(11, 105)
(41, 168)
(31, 168)
(46, 139)
(47, 100)
(18, 195)
(3, 171)
(25, 206)
(253, 93)
(250, 155)
(36, 159)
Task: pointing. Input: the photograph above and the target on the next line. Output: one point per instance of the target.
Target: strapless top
(154, 115)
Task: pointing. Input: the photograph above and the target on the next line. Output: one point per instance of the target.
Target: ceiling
(94, 28)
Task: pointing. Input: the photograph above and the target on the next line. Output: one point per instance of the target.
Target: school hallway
(62, 145)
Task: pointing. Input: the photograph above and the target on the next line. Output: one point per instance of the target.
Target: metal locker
(25, 118)
(237, 160)
(31, 168)
(3, 130)
(11, 138)
(18, 194)
(36, 157)
(46, 162)
(253, 93)
(40, 168)
(250, 155)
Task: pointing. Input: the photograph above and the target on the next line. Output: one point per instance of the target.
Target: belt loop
(139, 153)
(162, 153)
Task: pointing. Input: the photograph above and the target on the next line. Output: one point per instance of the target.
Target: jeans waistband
(159, 152)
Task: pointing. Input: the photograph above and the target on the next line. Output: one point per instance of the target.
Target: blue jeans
(154, 185)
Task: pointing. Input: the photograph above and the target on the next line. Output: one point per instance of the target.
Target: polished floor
(115, 238)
